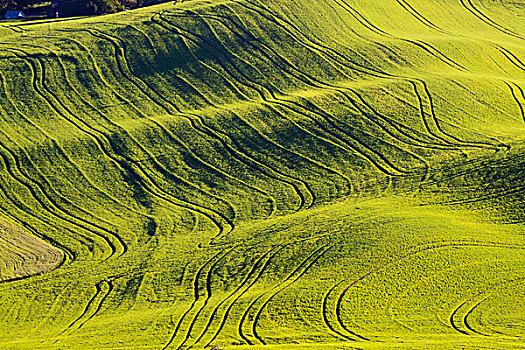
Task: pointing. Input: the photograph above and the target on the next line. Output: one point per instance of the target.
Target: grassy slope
(297, 174)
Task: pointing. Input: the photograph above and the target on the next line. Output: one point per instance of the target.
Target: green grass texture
(265, 174)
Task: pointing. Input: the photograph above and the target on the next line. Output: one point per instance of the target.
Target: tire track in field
(427, 22)
(17, 30)
(208, 297)
(28, 211)
(262, 135)
(240, 82)
(277, 101)
(29, 181)
(129, 166)
(422, 248)
(126, 64)
(440, 129)
(315, 84)
(173, 110)
(76, 167)
(172, 137)
(239, 287)
(324, 311)
(317, 255)
(215, 310)
(434, 120)
(196, 293)
(69, 255)
(387, 124)
(60, 150)
(511, 57)
(418, 16)
(363, 69)
(23, 207)
(482, 17)
(56, 145)
(49, 204)
(277, 175)
(238, 297)
(103, 286)
(117, 245)
(196, 297)
(302, 157)
(334, 55)
(338, 88)
(300, 75)
(160, 167)
(93, 306)
(421, 111)
(153, 188)
(516, 96)
(431, 106)
(316, 46)
(421, 44)
(255, 280)
(302, 268)
(482, 297)
(321, 50)
(329, 292)
(120, 97)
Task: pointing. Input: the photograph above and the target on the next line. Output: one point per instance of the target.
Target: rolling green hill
(266, 174)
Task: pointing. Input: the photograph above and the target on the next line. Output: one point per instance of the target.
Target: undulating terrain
(265, 174)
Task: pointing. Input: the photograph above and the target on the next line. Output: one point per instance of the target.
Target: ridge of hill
(249, 174)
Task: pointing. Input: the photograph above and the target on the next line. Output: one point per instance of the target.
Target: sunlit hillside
(265, 174)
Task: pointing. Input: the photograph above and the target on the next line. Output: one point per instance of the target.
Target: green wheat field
(265, 174)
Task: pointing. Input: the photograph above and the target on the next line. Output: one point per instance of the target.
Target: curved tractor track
(266, 174)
